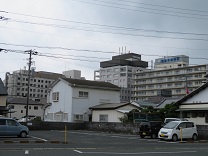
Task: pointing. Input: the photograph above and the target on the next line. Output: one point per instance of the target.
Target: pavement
(89, 143)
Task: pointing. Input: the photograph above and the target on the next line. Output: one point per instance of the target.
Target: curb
(202, 141)
(55, 142)
(24, 142)
(8, 141)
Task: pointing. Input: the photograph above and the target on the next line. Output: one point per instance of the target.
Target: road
(88, 143)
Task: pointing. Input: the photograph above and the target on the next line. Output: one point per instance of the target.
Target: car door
(190, 129)
(12, 127)
(184, 130)
(3, 127)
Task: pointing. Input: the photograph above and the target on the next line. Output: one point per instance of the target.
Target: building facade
(119, 71)
(69, 100)
(17, 83)
(177, 61)
(180, 80)
(3, 96)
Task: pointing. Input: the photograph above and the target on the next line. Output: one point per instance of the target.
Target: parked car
(10, 127)
(167, 120)
(172, 131)
(29, 118)
(150, 128)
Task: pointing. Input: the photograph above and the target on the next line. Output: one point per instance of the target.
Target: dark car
(150, 128)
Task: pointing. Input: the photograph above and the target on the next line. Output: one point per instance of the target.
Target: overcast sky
(90, 31)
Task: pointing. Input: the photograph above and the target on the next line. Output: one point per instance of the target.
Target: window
(103, 118)
(11, 106)
(2, 122)
(21, 111)
(83, 94)
(50, 116)
(55, 96)
(11, 122)
(78, 117)
(35, 107)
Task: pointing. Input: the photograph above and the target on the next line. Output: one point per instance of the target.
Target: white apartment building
(147, 83)
(119, 71)
(177, 61)
(17, 83)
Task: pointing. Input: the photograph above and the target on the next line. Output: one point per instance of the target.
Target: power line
(125, 5)
(138, 35)
(110, 26)
(173, 15)
(165, 6)
(54, 55)
(63, 48)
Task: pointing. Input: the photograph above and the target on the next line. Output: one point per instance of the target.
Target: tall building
(173, 73)
(172, 62)
(119, 71)
(17, 83)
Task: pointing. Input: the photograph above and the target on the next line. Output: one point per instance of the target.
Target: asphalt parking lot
(94, 143)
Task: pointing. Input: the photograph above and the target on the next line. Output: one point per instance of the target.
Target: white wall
(198, 120)
(32, 111)
(96, 97)
(113, 115)
(200, 97)
(70, 102)
(65, 100)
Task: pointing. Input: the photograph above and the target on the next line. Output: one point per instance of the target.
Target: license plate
(144, 133)
(162, 135)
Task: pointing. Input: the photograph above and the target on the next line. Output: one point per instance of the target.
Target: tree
(169, 111)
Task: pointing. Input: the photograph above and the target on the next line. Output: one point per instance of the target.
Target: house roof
(91, 84)
(3, 90)
(192, 94)
(110, 106)
(166, 101)
(22, 101)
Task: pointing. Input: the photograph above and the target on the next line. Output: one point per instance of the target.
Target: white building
(177, 61)
(17, 107)
(17, 83)
(70, 99)
(111, 112)
(194, 106)
(148, 83)
(119, 71)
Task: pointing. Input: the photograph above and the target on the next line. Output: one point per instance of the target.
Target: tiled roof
(109, 106)
(22, 101)
(3, 90)
(91, 84)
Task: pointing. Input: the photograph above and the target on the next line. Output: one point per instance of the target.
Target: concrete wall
(105, 127)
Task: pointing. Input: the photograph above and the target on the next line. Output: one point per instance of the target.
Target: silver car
(10, 127)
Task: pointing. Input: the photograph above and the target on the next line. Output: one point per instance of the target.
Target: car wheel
(142, 136)
(174, 137)
(194, 137)
(153, 136)
(23, 134)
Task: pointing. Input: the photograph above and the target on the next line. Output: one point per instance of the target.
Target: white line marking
(38, 138)
(139, 153)
(78, 151)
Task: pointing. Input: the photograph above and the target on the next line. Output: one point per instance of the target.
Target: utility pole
(30, 52)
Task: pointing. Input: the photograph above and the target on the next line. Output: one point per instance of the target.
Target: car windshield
(171, 125)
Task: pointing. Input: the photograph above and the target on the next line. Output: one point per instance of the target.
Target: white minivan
(171, 131)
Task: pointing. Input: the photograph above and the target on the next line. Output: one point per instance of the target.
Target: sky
(79, 34)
